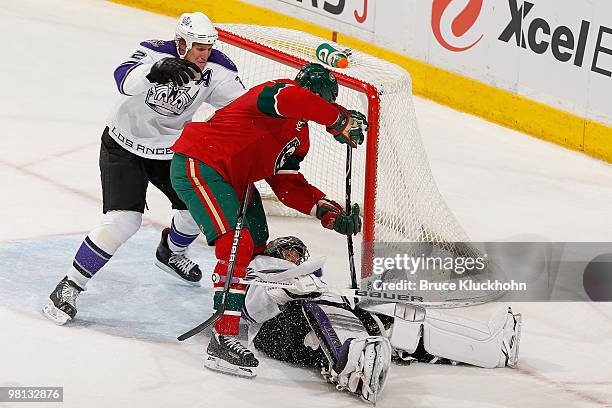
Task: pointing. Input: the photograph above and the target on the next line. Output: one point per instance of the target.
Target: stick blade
(211, 320)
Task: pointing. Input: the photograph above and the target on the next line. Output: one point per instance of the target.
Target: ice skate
(62, 302)
(228, 355)
(176, 264)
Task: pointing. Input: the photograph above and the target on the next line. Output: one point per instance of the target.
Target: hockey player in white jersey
(301, 326)
(162, 85)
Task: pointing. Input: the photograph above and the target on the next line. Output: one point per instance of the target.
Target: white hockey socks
(101, 243)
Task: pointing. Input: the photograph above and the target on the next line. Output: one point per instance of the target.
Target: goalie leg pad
(358, 365)
(363, 367)
(490, 343)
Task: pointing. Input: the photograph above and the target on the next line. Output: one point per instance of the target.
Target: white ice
(57, 86)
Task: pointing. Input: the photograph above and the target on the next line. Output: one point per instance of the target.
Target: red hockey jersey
(262, 135)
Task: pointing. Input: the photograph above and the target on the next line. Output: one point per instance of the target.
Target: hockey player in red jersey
(263, 135)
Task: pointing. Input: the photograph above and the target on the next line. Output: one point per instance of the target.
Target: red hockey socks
(229, 323)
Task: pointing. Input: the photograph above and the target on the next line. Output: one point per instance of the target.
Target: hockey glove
(175, 70)
(349, 127)
(332, 216)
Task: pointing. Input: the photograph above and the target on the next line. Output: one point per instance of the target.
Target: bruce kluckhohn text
(461, 284)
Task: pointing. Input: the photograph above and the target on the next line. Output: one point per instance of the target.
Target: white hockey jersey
(148, 118)
(260, 307)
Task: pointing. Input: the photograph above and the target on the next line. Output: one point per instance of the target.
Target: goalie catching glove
(175, 70)
(332, 216)
(349, 127)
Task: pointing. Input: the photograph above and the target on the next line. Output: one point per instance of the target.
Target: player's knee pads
(116, 228)
(184, 223)
(459, 335)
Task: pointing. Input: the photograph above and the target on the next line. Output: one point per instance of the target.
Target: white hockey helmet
(195, 28)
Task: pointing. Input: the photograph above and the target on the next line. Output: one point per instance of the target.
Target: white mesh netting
(407, 204)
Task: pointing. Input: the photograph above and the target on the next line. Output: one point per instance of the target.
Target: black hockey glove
(175, 70)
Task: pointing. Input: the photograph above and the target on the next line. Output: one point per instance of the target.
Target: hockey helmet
(195, 28)
(318, 79)
(283, 247)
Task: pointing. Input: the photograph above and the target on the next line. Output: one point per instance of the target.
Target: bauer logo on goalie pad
(287, 152)
(170, 100)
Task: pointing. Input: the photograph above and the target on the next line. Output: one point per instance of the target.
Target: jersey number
(138, 55)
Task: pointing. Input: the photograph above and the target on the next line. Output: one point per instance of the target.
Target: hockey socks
(183, 231)
(88, 260)
(229, 323)
(101, 243)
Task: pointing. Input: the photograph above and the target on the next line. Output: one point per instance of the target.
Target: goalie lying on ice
(353, 346)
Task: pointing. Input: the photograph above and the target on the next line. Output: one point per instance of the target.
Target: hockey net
(392, 180)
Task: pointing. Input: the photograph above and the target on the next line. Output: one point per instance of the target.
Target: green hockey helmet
(318, 79)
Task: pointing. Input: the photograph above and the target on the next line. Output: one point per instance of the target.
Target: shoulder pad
(161, 46)
(219, 58)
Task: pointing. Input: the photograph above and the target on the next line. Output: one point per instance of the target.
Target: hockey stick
(349, 237)
(230, 271)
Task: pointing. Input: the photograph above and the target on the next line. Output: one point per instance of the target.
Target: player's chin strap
(358, 365)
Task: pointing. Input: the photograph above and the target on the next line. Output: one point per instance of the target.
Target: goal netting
(392, 180)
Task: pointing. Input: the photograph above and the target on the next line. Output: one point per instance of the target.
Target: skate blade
(54, 314)
(217, 364)
(514, 352)
(171, 272)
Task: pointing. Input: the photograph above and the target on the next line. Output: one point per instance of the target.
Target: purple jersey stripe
(323, 328)
(217, 57)
(161, 46)
(121, 73)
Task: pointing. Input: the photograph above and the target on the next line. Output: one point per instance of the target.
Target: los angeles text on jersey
(131, 145)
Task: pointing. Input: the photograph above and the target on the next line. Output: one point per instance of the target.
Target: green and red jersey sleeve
(289, 100)
(290, 186)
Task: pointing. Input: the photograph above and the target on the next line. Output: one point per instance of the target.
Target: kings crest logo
(170, 100)
(287, 152)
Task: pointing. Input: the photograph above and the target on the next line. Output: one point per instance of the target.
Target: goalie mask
(195, 28)
(318, 79)
(289, 248)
